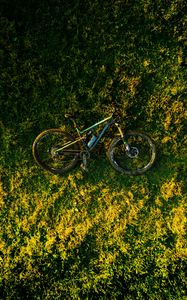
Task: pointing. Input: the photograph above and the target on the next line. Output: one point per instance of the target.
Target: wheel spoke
(45, 150)
(137, 159)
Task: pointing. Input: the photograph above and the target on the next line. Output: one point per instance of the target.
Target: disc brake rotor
(55, 154)
(133, 152)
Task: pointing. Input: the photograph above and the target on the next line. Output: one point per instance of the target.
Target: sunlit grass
(101, 234)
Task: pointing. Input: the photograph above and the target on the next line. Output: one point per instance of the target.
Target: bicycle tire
(51, 160)
(121, 159)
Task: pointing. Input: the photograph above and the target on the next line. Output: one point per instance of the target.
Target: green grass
(100, 235)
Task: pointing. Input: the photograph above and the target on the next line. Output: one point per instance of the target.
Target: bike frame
(110, 120)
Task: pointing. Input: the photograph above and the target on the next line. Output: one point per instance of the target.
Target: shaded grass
(99, 235)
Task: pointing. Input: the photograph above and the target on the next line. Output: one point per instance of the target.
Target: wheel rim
(48, 155)
(138, 157)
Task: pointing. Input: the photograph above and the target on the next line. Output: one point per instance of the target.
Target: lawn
(101, 234)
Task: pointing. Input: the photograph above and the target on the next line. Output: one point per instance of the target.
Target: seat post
(75, 125)
(71, 117)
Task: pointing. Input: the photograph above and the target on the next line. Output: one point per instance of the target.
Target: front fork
(122, 136)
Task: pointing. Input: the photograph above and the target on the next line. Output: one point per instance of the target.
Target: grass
(99, 235)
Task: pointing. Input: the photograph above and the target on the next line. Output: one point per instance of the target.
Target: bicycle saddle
(69, 115)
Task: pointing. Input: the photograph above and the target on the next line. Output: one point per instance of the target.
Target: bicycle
(57, 151)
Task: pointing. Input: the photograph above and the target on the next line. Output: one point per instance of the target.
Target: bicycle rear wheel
(49, 155)
(135, 160)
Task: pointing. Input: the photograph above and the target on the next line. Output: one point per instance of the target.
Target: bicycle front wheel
(54, 151)
(133, 157)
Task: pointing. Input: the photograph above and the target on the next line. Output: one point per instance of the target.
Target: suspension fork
(122, 136)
